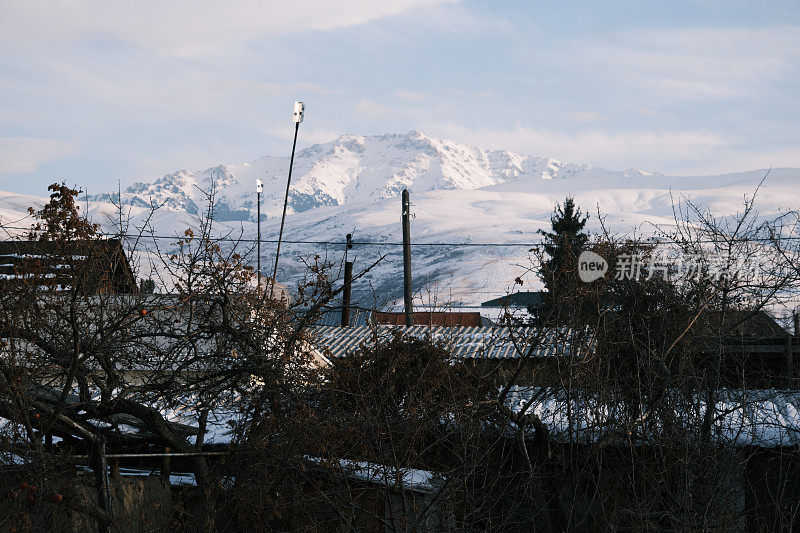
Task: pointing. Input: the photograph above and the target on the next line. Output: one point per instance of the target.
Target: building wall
(139, 504)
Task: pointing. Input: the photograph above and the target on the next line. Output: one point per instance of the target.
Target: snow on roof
(766, 418)
(423, 481)
(219, 422)
(401, 478)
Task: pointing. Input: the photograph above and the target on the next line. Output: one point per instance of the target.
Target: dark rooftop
(93, 266)
(533, 299)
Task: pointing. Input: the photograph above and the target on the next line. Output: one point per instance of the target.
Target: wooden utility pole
(407, 292)
(348, 280)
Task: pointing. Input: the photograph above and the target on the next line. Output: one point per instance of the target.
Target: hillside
(350, 170)
(470, 199)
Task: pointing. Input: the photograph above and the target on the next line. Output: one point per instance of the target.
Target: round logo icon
(591, 266)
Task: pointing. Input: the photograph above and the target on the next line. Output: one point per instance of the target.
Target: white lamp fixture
(299, 111)
(259, 185)
(297, 115)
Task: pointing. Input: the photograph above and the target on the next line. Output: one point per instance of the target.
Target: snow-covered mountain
(350, 170)
(465, 200)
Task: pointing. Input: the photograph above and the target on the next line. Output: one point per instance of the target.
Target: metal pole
(283, 217)
(796, 320)
(258, 246)
(150, 455)
(407, 259)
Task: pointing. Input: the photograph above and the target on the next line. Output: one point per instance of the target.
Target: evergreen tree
(563, 245)
(147, 286)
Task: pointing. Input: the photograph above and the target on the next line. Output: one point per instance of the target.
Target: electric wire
(343, 242)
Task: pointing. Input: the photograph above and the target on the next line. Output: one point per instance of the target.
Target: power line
(330, 243)
(531, 244)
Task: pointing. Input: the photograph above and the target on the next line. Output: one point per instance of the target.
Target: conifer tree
(563, 245)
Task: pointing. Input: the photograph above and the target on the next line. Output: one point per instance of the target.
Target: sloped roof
(370, 317)
(333, 317)
(518, 299)
(746, 323)
(764, 417)
(430, 318)
(462, 342)
(414, 479)
(100, 265)
(280, 292)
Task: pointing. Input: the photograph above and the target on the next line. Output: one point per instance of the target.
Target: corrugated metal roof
(333, 317)
(462, 342)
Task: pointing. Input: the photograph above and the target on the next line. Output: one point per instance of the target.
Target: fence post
(115, 467)
(165, 464)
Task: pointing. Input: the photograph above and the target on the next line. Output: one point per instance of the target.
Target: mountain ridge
(350, 169)
(458, 199)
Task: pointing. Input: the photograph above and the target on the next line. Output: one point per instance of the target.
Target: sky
(97, 93)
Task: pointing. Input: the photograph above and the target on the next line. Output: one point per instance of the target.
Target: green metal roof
(518, 299)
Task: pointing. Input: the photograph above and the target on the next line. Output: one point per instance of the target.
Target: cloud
(23, 155)
(652, 113)
(173, 87)
(442, 17)
(680, 153)
(306, 136)
(741, 158)
(697, 63)
(273, 89)
(373, 109)
(411, 96)
(586, 116)
(185, 28)
(613, 150)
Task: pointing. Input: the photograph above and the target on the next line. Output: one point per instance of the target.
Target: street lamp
(297, 115)
(259, 190)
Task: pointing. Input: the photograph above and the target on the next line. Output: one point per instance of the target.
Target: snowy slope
(351, 169)
(460, 195)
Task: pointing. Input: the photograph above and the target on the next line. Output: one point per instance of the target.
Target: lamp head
(259, 185)
(299, 111)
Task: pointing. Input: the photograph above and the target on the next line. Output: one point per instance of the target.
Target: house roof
(746, 323)
(518, 299)
(96, 265)
(764, 417)
(462, 342)
(280, 292)
(333, 317)
(430, 318)
(413, 479)
(370, 317)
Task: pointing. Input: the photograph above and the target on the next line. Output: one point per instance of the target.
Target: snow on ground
(460, 195)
